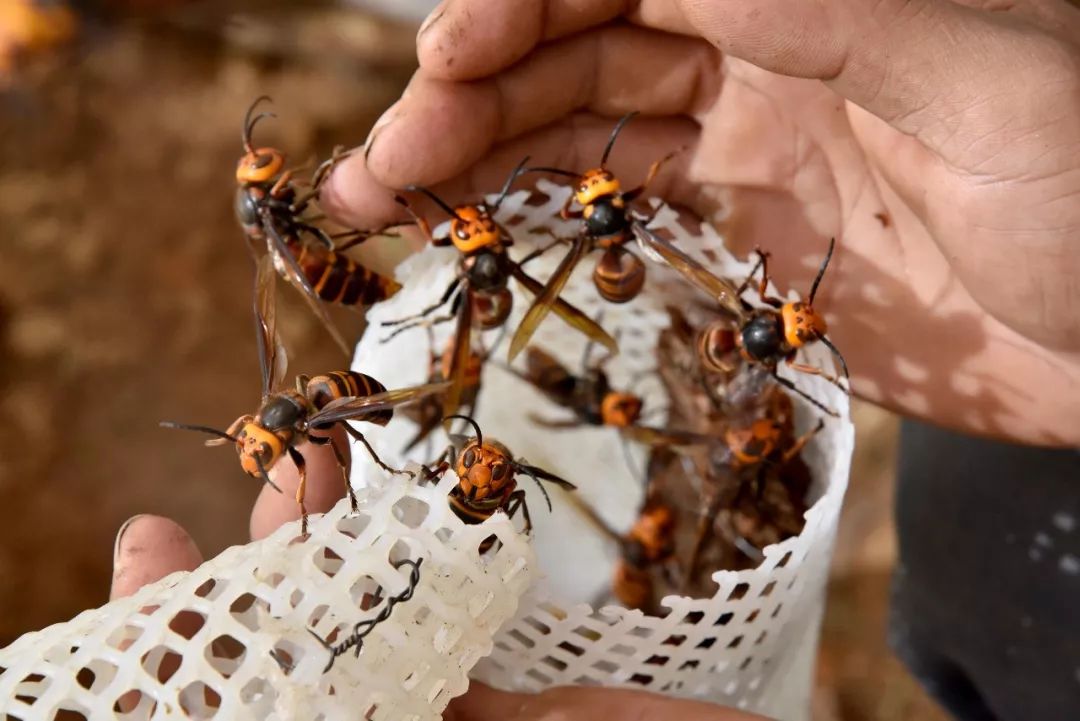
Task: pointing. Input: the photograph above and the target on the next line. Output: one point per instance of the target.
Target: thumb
(147, 549)
(926, 67)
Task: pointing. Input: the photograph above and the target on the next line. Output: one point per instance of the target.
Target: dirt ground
(125, 300)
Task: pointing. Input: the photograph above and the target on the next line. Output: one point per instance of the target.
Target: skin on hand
(938, 140)
(483, 703)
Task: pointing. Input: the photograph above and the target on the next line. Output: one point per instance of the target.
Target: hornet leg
(371, 452)
(301, 489)
(327, 440)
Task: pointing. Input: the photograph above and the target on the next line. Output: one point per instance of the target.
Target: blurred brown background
(125, 300)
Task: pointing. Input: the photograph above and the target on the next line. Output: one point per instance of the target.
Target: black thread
(363, 628)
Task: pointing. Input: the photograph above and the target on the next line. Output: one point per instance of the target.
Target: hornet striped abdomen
(323, 389)
(337, 278)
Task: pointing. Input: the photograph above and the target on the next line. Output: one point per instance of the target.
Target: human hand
(939, 140)
(483, 703)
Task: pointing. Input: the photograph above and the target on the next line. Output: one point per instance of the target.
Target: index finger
(325, 485)
(471, 39)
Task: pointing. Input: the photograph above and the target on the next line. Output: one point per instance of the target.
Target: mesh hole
(411, 511)
(398, 552)
(161, 662)
(225, 655)
(605, 666)
(539, 677)
(206, 588)
(571, 648)
(134, 703)
(537, 625)
(124, 636)
(317, 615)
(70, 714)
(522, 638)
(200, 701)
(588, 633)
(85, 678)
(363, 593)
(243, 610)
(537, 199)
(329, 562)
(33, 683)
(554, 663)
(739, 591)
(353, 526)
(187, 623)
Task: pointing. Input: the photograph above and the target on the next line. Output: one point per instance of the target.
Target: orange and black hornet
(762, 337)
(271, 211)
(607, 220)
(589, 396)
(487, 473)
(287, 418)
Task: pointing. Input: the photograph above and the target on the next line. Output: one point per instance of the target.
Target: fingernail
(385, 119)
(368, 145)
(431, 19)
(120, 536)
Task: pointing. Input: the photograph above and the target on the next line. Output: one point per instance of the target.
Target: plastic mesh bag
(236, 638)
(752, 644)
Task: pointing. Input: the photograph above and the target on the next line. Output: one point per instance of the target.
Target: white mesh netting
(752, 644)
(230, 640)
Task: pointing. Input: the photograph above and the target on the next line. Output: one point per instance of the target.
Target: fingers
(325, 486)
(147, 549)
(439, 128)
(468, 39)
(924, 66)
(355, 196)
(482, 703)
